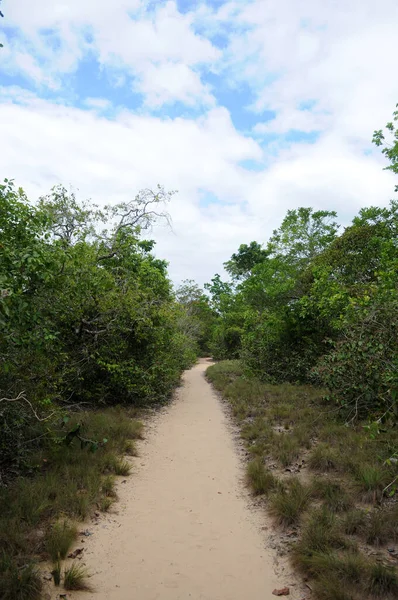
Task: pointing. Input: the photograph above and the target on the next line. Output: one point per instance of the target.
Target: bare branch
(22, 398)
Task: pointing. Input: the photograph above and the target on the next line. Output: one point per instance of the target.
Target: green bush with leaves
(318, 306)
(87, 312)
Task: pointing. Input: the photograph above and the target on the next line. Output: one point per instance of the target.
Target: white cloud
(335, 56)
(109, 160)
(170, 82)
(338, 54)
(98, 103)
(125, 35)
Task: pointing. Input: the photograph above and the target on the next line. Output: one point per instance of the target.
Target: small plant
(353, 521)
(56, 573)
(60, 539)
(382, 582)
(347, 567)
(75, 578)
(380, 528)
(108, 486)
(122, 467)
(329, 587)
(261, 480)
(136, 430)
(129, 448)
(288, 504)
(334, 497)
(323, 458)
(371, 481)
(105, 503)
(19, 582)
(285, 449)
(319, 534)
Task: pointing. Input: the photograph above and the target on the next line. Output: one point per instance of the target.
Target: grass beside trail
(323, 482)
(39, 513)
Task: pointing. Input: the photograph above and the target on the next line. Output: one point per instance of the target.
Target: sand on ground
(184, 527)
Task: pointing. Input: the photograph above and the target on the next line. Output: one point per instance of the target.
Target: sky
(247, 109)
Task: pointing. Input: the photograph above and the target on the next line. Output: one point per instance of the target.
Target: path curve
(184, 528)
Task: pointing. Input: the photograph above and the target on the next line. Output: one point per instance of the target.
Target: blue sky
(247, 108)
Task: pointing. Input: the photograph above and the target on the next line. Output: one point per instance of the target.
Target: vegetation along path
(184, 528)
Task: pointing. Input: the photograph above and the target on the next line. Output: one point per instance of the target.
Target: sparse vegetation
(288, 503)
(75, 578)
(323, 458)
(122, 467)
(19, 582)
(57, 573)
(382, 582)
(353, 521)
(60, 538)
(261, 480)
(332, 494)
(67, 484)
(321, 477)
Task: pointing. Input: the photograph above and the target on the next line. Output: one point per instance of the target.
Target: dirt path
(184, 528)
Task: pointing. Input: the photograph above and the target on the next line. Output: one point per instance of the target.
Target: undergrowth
(65, 483)
(322, 477)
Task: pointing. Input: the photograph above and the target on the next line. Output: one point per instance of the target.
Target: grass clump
(56, 573)
(353, 521)
(382, 582)
(19, 582)
(67, 482)
(260, 479)
(288, 423)
(60, 539)
(75, 578)
(105, 503)
(334, 497)
(371, 481)
(130, 448)
(323, 458)
(380, 527)
(223, 373)
(320, 533)
(108, 486)
(122, 467)
(288, 503)
(285, 449)
(328, 587)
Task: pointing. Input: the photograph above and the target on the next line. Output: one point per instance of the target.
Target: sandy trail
(184, 528)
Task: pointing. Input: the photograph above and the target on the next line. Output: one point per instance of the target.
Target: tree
(304, 234)
(87, 312)
(241, 263)
(390, 149)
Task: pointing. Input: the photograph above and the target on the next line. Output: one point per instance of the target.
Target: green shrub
(260, 480)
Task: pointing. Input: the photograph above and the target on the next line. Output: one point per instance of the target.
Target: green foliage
(197, 317)
(87, 314)
(337, 510)
(320, 307)
(66, 484)
(288, 503)
(317, 306)
(242, 263)
(19, 582)
(60, 539)
(261, 480)
(75, 578)
(390, 149)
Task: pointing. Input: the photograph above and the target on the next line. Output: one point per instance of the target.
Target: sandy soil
(185, 526)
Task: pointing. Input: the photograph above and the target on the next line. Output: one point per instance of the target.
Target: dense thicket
(88, 315)
(318, 304)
